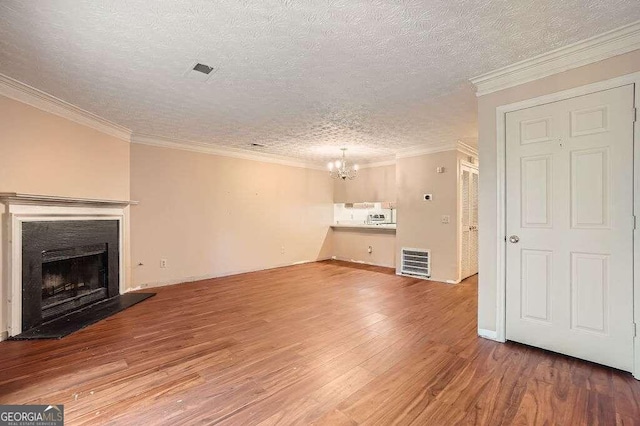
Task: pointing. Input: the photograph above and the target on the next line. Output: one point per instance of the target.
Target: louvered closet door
(569, 178)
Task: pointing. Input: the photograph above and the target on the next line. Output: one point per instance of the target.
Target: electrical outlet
(282, 250)
(163, 263)
(370, 250)
(445, 218)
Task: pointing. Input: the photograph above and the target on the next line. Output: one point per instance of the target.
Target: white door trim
(501, 247)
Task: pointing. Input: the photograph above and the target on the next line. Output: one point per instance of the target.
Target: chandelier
(341, 169)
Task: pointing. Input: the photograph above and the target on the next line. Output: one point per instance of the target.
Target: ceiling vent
(199, 72)
(416, 262)
(205, 69)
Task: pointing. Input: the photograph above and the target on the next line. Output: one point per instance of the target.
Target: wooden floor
(326, 343)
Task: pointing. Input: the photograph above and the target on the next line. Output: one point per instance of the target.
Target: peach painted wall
(351, 245)
(372, 184)
(44, 154)
(600, 71)
(419, 221)
(209, 215)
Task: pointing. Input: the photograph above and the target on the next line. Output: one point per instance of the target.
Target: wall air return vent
(416, 262)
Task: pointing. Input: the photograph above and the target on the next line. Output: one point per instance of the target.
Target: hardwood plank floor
(327, 343)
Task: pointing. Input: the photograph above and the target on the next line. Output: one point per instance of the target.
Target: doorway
(468, 220)
(569, 226)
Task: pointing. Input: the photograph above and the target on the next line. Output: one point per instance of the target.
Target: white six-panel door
(569, 186)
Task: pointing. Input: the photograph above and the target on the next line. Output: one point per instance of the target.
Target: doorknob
(514, 239)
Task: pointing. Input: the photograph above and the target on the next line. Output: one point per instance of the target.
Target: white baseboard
(194, 278)
(488, 334)
(362, 262)
(400, 274)
(428, 279)
(4, 335)
(174, 281)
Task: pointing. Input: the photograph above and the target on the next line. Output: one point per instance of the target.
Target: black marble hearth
(81, 318)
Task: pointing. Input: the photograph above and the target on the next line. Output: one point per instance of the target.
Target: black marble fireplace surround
(67, 265)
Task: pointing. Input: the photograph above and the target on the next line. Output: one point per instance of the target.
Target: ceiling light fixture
(341, 169)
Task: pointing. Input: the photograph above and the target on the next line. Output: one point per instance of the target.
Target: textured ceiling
(301, 77)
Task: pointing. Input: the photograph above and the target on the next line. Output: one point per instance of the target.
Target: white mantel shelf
(384, 227)
(18, 198)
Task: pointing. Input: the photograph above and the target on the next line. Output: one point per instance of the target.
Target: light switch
(445, 218)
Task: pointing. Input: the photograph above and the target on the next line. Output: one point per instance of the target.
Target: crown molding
(380, 163)
(205, 148)
(606, 45)
(467, 149)
(24, 93)
(425, 150)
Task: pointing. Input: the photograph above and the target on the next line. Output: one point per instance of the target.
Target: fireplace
(44, 238)
(67, 265)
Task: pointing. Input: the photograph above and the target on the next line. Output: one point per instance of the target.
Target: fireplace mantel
(50, 200)
(19, 208)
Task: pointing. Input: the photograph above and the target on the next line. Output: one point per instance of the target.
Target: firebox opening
(72, 278)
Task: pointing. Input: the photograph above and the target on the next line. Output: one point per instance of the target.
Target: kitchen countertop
(383, 226)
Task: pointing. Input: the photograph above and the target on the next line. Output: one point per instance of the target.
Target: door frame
(501, 112)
